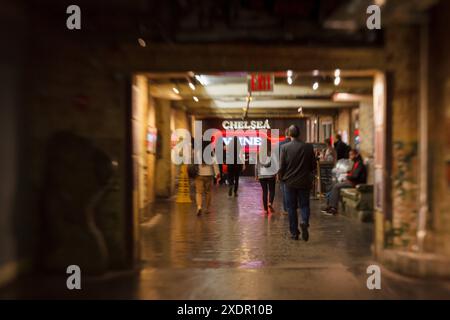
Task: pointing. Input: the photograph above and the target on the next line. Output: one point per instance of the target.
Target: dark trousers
(297, 198)
(268, 187)
(283, 192)
(234, 172)
(333, 199)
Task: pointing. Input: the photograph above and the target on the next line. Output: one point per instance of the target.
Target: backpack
(192, 170)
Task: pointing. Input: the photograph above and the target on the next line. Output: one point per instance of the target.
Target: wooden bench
(357, 203)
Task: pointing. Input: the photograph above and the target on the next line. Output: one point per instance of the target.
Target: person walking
(287, 139)
(357, 175)
(297, 166)
(204, 179)
(266, 169)
(235, 160)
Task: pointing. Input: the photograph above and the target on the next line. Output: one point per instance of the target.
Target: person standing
(204, 179)
(287, 139)
(235, 160)
(342, 149)
(357, 175)
(266, 169)
(297, 166)
(330, 154)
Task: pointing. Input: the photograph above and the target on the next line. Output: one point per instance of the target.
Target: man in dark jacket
(282, 184)
(342, 149)
(297, 166)
(358, 175)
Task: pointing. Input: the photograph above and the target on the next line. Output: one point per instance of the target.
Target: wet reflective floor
(238, 252)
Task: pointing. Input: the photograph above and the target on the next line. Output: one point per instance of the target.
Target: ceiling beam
(225, 57)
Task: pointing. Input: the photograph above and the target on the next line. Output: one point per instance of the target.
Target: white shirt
(209, 170)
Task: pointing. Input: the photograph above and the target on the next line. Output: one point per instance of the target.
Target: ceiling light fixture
(289, 80)
(337, 81)
(142, 42)
(315, 86)
(202, 79)
(191, 85)
(337, 73)
(176, 90)
(289, 73)
(195, 98)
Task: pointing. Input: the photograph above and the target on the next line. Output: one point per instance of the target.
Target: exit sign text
(260, 82)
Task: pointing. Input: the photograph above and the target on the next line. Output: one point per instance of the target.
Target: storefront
(251, 133)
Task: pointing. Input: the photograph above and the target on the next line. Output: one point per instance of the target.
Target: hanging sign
(260, 82)
(245, 125)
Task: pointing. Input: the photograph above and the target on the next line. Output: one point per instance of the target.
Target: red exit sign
(260, 82)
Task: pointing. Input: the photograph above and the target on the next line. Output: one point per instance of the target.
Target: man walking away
(357, 175)
(235, 160)
(297, 166)
(204, 179)
(282, 185)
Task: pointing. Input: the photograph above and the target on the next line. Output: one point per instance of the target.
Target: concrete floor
(238, 252)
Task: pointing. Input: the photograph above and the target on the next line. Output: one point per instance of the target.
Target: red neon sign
(260, 82)
(251, 134)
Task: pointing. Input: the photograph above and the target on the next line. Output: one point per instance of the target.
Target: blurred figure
(203, 181)
(342, 149)
(297, 166)
(235, 160)
(357, 175)
(330, 152)
(266, 169)
(287, 139)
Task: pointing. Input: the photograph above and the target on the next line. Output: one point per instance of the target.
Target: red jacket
(358, 174)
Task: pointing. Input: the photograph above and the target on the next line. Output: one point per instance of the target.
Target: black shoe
(235, 194)
(230, 192)
(331, 212)
(305, 233)
(325, 210)
(199, 212)
(295, 237)
(271, 207)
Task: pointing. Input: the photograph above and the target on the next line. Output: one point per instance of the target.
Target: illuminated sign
(260, 82)
(245, 125)
(244, 141)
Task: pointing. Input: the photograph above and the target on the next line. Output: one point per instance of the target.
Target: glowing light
(315, 73)
(289, 73)
(176, 90)
(289, 80)
(142, 42)
(202, 79)
(337, 81)
(315, 86)
(191, 85)
(337, 73)
(195, 98)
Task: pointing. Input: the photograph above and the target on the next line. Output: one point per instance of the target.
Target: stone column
(163, 160)
(439, 136)
(402, 48)
(366, 133)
